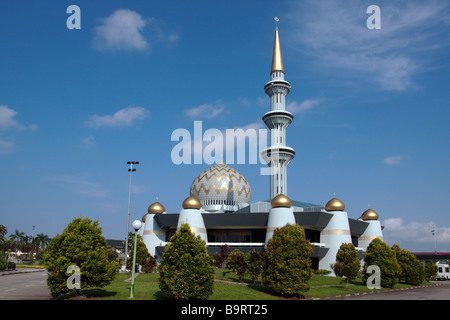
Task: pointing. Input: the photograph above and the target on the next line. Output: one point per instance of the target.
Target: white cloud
(393, 160)
(121, 30)
(7, 116)
(335, 35)
(124, 30)
(122, 118)
(7, 120)
(6, 146)
(295, 107)
(205, 111)
(88, 141)
(396, 231)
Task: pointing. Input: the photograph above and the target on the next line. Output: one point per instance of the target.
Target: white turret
(280, 215)
(152, 235)
(335, 233)
(372, 231)
(191, 214)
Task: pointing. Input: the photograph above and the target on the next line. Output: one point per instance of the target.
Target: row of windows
(220, 202)
(254, 235)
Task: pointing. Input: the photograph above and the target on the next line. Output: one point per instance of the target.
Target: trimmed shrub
(254, 264)
(236, 262)
(431, 270)
(347, 263)
(185, 270)
(83, 245)
(287, 266)
(378, 253)
(412, 270)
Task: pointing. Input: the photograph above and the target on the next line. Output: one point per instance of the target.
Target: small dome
(143, 218)
(156, 208)
(369, 214)
(281, 201)
(335, 205)
(191, 203)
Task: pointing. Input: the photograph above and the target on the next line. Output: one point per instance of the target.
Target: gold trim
(218, 190)
(234, 174)
(198, 230)
(365, 238)
(153, 232)
(335, 232)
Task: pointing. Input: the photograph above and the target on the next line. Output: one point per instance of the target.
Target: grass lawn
(146, 288)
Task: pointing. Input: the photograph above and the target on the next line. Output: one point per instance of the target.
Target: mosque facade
(219, 207)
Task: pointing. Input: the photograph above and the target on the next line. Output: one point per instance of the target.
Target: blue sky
(371, 107)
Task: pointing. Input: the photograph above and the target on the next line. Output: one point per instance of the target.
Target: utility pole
(131, 170)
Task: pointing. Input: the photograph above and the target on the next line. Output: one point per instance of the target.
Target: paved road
(441, 292)
(16, 285)
(32, 286)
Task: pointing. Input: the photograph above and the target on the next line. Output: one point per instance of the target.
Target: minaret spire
(278, 155)
(277, 60)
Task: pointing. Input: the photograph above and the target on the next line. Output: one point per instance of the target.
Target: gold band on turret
(335, 232)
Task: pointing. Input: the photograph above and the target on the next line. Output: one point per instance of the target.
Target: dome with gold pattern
(156, 208)
(335, 205)
(281, 201)
(369, 214)
(220, 187)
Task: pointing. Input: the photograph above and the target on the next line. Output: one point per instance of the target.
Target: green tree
(185, 270)
(378, 253)
(41, 240)
(254, 261)
(141, 252)
(412, 270)
(236, 262)
(17, 236)
(431, 270)
(3, 231)
(149, 264)
(347, 263)
(287, 266)
(83, 245)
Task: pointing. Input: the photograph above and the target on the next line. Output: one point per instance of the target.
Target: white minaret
(278, 155)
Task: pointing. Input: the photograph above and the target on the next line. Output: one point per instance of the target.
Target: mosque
(219, 207)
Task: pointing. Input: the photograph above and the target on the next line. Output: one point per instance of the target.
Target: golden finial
(277, 61)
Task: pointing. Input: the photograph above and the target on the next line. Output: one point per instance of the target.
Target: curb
(375, 292)
(17, 271)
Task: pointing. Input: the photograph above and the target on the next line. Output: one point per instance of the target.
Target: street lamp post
(131, 170)
(136, 225)
(433, 232)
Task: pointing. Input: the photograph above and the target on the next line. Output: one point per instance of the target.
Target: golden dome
(143, 218)
(335, 205)
(156, 208)
(369, 214)
(281, 201)
(191, 203)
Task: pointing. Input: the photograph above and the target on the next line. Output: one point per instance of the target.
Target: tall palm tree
(3, 231)
(17, 236)
(42, 240)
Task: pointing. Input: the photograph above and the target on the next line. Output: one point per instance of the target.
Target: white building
(220, 211)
